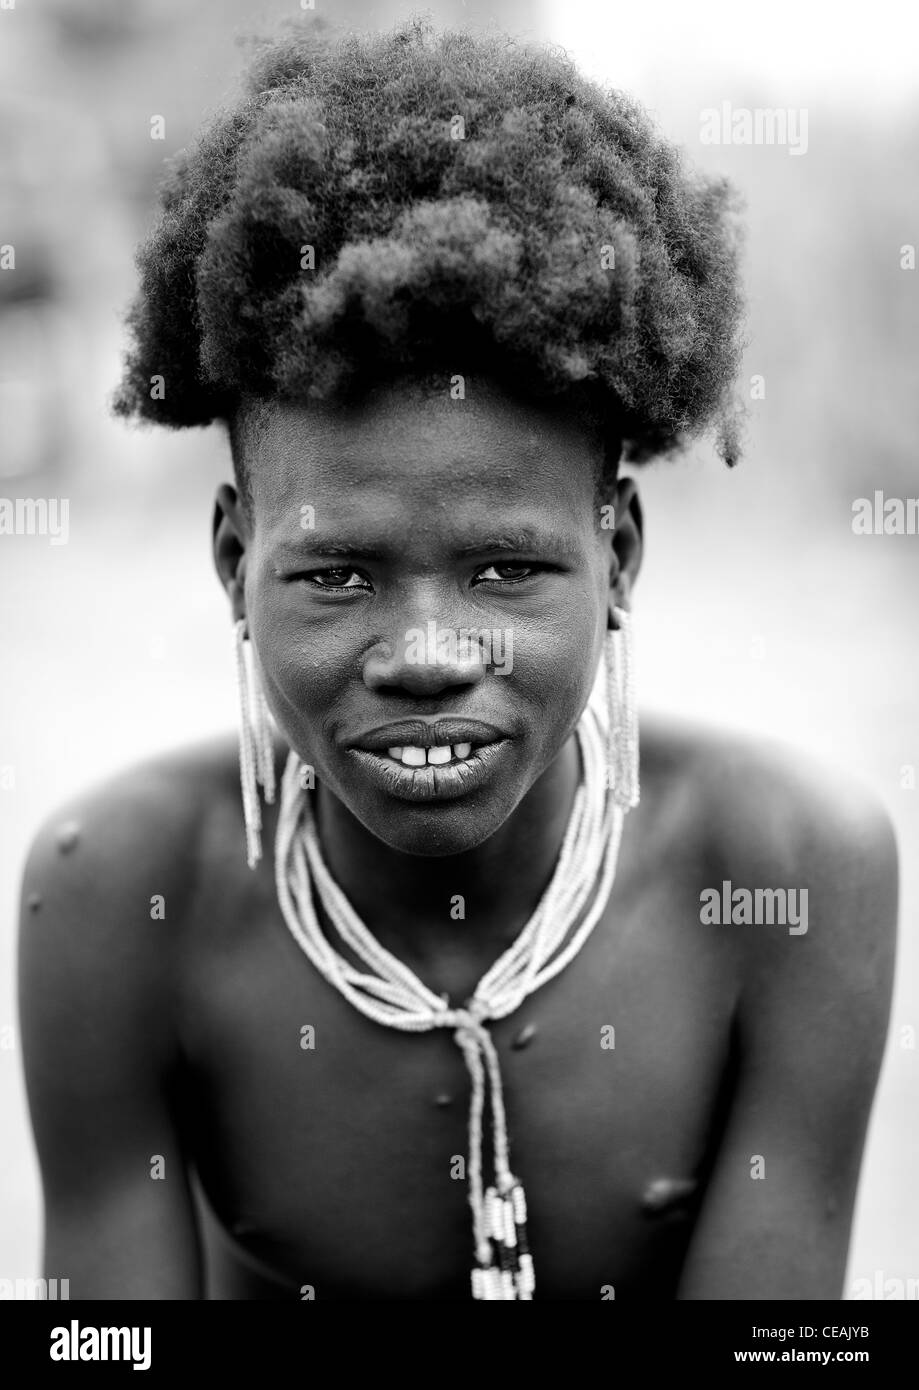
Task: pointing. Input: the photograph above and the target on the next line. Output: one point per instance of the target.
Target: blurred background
(758, 607)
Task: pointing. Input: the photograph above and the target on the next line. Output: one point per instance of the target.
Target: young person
(440, 1012)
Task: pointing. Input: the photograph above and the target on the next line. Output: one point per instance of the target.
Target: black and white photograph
(459, 726)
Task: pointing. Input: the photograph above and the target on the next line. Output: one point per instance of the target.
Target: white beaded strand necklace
(394, 996)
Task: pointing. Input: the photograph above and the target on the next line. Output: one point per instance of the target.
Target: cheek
(304, 664)
(557, 663)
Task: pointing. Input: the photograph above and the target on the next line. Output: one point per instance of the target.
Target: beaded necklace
(394, 996)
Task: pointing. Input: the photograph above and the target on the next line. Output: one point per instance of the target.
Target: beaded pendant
(508, 1271)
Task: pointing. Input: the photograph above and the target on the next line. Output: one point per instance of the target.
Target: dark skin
(288, 1169)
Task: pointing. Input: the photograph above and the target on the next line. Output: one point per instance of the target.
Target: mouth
(431, 761)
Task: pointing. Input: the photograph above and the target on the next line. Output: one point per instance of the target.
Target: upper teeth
(410, 755)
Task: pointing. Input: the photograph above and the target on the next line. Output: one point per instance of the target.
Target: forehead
(410, 445)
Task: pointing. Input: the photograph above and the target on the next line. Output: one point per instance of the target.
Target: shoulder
(763, 815)
(758, 806)
(102, 948)
(784, 819)
(811, 955)
(148, 819)
(108, 881)
(800, 864)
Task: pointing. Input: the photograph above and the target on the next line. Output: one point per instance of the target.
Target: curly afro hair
(385, 204)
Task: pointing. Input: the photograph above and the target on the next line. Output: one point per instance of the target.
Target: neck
(405, 900)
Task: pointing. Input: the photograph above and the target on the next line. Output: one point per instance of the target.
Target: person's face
(425, 579)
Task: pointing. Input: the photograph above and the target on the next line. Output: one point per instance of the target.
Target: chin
(434, 830)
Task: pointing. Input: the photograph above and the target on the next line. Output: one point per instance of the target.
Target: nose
(426, 661)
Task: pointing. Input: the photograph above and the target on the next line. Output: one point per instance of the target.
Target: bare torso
(329, 1170)
(329, 1167)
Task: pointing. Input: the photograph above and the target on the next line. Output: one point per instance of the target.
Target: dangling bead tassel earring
(622, 755)
(256, 760)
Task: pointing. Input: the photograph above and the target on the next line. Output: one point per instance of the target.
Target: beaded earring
(622, 731)
(256, 759)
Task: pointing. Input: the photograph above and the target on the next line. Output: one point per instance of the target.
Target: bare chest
(333, 1150)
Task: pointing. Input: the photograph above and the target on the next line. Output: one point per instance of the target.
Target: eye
(337, 579)
(510, 573)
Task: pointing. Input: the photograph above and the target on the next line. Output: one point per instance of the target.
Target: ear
(230, 535)
(627, 543)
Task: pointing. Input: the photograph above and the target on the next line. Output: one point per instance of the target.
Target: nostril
(419, 680)
(401, 669)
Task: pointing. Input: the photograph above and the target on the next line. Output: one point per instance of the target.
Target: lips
(428, 733)
(433, 782)
(481, 751)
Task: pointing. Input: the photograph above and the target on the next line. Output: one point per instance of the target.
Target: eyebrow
(524, 540)
(335, 549)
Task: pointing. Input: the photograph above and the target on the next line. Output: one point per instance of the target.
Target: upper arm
(811, 1027)
(97, 1017)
